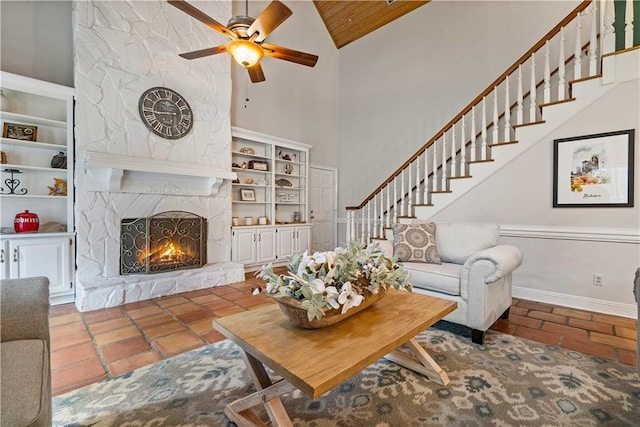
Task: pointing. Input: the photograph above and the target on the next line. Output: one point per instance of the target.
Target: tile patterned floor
(90, 347)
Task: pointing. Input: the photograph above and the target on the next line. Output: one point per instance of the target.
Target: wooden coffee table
(315, 361)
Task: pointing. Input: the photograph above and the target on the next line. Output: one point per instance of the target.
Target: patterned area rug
(508, 381)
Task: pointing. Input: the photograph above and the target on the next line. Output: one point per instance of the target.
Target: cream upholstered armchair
(26, 370)
(475, 271)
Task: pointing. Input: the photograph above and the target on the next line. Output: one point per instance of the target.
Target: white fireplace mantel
(126, 174)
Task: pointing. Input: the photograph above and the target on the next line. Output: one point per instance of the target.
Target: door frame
(334, 215)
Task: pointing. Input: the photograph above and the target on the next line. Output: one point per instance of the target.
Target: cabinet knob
(15, 255)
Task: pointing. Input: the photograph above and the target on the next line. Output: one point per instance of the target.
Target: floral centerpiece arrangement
(339, 279)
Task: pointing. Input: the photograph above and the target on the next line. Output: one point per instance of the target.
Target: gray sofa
(25, 347)
(475, 272)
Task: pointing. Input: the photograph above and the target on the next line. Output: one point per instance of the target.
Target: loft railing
(571, 51)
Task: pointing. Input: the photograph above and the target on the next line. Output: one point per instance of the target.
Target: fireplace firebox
(167, 241)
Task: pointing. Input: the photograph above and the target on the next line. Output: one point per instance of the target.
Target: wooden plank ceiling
(348, 20)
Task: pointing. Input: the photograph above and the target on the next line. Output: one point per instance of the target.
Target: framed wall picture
(594, 170)
(247, 195)
(22, 132)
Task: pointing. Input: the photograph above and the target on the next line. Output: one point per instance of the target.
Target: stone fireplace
(169, 241)
(121, 49)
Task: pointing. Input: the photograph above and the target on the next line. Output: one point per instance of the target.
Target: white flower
(349, 297)
(330, 293)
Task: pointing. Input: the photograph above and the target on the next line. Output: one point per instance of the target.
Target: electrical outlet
(598, 279)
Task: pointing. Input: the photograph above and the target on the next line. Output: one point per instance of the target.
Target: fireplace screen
(167, 241)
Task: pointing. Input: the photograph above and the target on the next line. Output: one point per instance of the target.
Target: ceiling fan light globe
(245, 53)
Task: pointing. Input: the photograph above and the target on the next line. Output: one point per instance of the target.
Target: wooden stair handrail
(570, 17)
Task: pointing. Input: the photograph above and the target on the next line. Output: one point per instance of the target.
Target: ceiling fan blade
(202, 17)
(268, 20)
(204, 52)
(290, 55)
(256, 73)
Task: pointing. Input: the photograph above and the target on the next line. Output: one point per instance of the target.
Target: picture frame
(247, 195)
(594, 170)
(19, 131)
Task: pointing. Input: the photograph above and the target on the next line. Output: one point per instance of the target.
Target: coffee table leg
(240, 411)
(422, 362)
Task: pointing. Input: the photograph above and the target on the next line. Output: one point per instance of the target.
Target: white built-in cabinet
(49, 252)
(272, 187)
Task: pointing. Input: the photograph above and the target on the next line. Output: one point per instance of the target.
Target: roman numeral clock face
(165, 112)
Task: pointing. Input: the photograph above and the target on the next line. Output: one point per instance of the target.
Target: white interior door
(323, 196)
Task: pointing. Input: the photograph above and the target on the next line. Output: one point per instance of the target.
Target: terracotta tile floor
(90, 347)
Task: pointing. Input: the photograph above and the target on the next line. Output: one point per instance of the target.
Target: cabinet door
(4, 259)
(303, 237)
(266, 245)
(47, 257)
(285, 242)
(243, 245)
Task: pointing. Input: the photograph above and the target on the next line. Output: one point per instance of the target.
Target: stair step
(423, 204)
(439, 192)
(541, 106)
(528, 124)
(479, 161)
(498, 144)
(459, 177)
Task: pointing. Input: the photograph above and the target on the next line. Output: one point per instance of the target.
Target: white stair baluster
(494, 134)
(388, 224)
(410, 193)
(434, 158)
(483, 145)
(593, 40)
(547, 75)
(425, 188)
(374, 232)
(473, 155)
(368, 239)
(443, 175)
(561, 70)
(628, 25)
(362, 225)
(507, 112)
(519, 107)
(532, 91)
(349, 235)
(463, 149)
(455, 169)
(609, 36)
(417, 199)
(577, 52)
(381, 224)
(395, 199)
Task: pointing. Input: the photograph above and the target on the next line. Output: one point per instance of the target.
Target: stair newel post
(494, 134)
(402, 193)
(577, 52)
(593, 40)
(609, 37)
(410, 192)
(547, 75)
(519, 108)
(417, 181)
(483, 145)
(454, 157)
(395, 198)
(532, 91)
(463, 150)
(443, 164)
(628, 25)
(388, 223)
(472, 154)
(561, 68)
(425, 188)
(507, 111)
(350, 228)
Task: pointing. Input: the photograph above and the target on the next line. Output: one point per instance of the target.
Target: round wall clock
(165, 112)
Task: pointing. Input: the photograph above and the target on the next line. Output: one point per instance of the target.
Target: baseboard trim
(578, 302)
(593, 234)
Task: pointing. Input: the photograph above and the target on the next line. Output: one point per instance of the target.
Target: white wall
(295, 102)
(402, 83)
(37, 40)
(520, 196)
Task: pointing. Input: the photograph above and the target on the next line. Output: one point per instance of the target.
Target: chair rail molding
(593, 234)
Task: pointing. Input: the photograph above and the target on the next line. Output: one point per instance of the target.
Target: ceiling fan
(247, 36)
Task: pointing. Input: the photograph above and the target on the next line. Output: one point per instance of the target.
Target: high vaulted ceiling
(348, 20)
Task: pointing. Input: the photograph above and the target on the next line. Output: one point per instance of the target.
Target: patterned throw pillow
(415, 243)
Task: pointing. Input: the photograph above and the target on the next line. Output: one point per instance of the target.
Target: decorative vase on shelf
(59, 161)
(292, 309)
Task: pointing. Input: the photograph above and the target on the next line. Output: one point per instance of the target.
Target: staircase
(568, 69)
